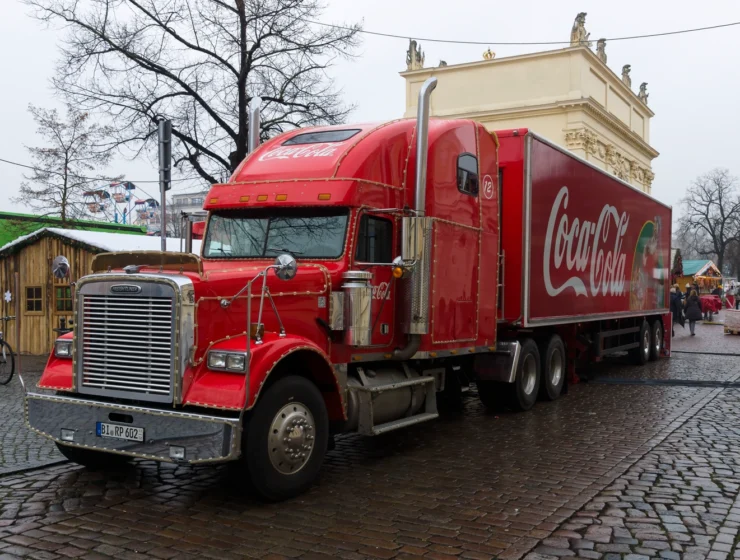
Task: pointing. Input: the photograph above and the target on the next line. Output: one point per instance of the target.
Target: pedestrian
(688, 291)
(717, 291)
(676, 307)
(693, 310)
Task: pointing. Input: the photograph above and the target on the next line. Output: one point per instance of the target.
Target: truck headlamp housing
(227, 361)
(63, 348)
(235, 362)
(216, 360)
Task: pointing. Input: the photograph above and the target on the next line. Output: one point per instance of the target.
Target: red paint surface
(58, 371)
(594, 248)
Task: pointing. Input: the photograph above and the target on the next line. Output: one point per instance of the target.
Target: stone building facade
(570, 96)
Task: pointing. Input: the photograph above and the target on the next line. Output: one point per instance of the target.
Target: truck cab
(336, 288)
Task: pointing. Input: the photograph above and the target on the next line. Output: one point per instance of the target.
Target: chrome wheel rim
(291, 440)
(529, 373)
(646, 344)
(658, 340)
(556, 368)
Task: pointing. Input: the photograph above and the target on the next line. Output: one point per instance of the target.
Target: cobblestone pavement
(657, 461)
(19, 447)
(681, 500)
(709, 339)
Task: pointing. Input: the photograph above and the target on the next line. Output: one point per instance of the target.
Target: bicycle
(7, 360)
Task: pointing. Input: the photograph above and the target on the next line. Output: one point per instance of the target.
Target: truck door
(373, 253)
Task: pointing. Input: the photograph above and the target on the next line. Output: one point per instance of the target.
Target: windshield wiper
(280, 250)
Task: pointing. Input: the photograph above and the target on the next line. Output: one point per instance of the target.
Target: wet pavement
(19, 447)
(639, 462)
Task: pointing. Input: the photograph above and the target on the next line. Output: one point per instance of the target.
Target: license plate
(118, 431)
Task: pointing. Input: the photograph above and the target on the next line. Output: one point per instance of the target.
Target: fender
(58, 374)
(225, 390)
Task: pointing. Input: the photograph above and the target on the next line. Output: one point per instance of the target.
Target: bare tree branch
(198, 63)
(710, 223)
(64, 170)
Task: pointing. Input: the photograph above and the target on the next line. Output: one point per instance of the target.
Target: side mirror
(286, 267)
(60, 267)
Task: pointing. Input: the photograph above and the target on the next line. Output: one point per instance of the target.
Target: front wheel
(285, 438)
(90, 458)
(7, 363)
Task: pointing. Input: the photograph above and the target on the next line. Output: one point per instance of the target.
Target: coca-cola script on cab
(313, 150)
(580, 244)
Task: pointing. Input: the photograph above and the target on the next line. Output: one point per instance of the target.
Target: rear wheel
(641, 354)
(656, 339)
(522, 394)
(285, 439)
(7, 363)
(553, 368)
(91, 458)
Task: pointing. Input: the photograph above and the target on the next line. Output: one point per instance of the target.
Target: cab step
(403, 422)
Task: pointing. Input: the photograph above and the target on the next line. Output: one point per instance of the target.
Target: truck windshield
(267, 233)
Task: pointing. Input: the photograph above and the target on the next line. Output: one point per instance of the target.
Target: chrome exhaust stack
(254, 124)
(422, 144)
(416, 232)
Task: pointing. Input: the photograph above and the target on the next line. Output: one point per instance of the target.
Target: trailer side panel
(598, 248)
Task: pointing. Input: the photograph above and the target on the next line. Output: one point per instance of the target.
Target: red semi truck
(348, 275)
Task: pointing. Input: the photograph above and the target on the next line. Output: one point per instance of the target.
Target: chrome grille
(126, 346)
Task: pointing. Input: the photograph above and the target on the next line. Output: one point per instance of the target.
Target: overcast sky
(693, 78)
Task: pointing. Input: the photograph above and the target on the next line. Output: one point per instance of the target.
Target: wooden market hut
(702, 272)
(46, 301)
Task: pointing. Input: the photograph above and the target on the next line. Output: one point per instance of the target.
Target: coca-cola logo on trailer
(579, 244)
(294, 152)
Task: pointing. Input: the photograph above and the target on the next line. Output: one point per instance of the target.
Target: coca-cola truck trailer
(348, 276)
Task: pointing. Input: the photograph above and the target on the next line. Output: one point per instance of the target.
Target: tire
(291, 408)
(656, 340)
(554, 366)
(7, 363)
(92, 459)
(522, 394)
(641, 354)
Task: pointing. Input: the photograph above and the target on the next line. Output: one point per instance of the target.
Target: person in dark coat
(693, 310)
(676, 308)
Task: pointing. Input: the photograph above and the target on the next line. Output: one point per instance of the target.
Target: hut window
(34, 299)
(62, 299)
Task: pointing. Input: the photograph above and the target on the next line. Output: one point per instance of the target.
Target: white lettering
(382, 290)
(572, 244)
(295, 152)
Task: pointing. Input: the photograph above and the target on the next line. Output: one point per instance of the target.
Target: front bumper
(206, 439)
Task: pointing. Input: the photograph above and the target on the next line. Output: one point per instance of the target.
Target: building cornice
(613, 79)
(589, 105)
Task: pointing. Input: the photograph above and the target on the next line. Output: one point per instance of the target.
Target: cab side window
(374, 240)
(467, 174)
